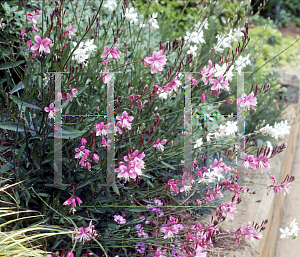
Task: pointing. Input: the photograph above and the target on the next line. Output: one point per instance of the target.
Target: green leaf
(18, 87)
(65, 55)
(14, 126)
(68, 132)
(9, 65)
(20, 102)
(6, 167)
(168, 165)
(116, 189)
(49, 158)
(36, 158)
(21, 150)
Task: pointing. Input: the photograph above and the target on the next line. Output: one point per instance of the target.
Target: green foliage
(267, 50)
(26, 91)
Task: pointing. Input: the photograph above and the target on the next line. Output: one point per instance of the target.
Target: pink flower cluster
(172, 86)
(247, 101)
(73, 202)
(246, 230)
(84, 234)
(171, 228)
(207, 75)
(152, 208)
(277, 188)
(83, 153)
(119, 219)
(140, 231)
(219, 166)
(134, 166)
(227, 210)
(157, 60)
(254, 162)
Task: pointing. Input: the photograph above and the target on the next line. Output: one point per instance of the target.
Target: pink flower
(199, 253)
(172, 186)
(74, 91)
(104, 63)
(51, 110)
(124, 120)
(34, 17)
(262, 162)
(227, 210)
(23, 32)
(73, 202)
(159, 144)
(80, 152)
(59, 96)
(29, 43)
(69, 254)
(111, 53)
(101, 129)
(203, 98)
(42, 45)
(34, 29)
(160, 253)
(84, 234)
(119, 219)
(158, 60)
(95, 157)
(220, 83)
(70, 31)
(194, 81)
(247, 161)
(247, 101)
(106, 78)
(67, 95)
(83, 141)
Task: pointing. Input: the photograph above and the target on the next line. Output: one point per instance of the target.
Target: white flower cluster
(196, 37)
(242, 62)
(210, 177)
(131, 15)
(228, 129)
(110, 4)
(81, 53)
(226, 40)
(291, 231)
(279, 130)
(152, 21)
(221, 70)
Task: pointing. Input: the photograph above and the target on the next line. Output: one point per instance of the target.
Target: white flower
(198, 144)
(204, 24)
(285, 233)
(221, 131)
(111, 4)
(217, 172)
(195, 37)
(89, 45)
(163, 95)
(231, 127)
(192, 50)
(221, 70)
(208, 177)
(131, 15)
(291, 231)
(242, 62)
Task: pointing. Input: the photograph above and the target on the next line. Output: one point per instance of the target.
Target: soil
(292, 30)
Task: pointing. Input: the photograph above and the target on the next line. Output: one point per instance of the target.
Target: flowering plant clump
(131, 94)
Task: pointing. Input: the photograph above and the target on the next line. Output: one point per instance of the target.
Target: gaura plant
(103, 43)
